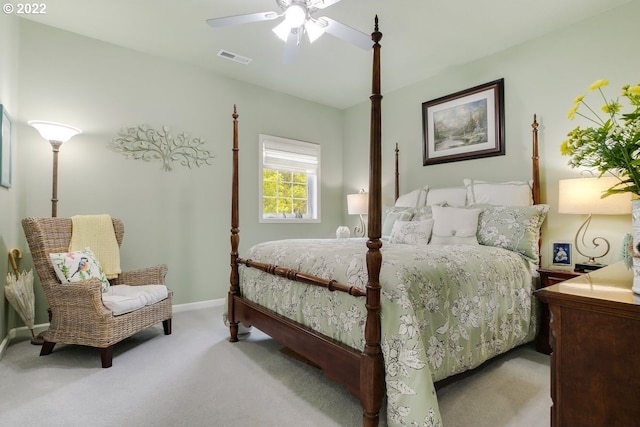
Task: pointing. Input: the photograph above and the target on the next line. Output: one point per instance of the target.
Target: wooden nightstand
(595, 337)
(549, 276)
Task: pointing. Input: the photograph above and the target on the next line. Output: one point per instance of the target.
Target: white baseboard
(198, 305)
(23, 332)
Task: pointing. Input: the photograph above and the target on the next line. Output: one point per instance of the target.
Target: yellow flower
(572, 111)
(565, 148)
(598, 84)
(612, 108)
(607, 144)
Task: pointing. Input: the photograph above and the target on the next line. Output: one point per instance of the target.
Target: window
(290, 172)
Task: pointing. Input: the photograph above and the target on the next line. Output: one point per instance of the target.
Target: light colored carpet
(187, 379)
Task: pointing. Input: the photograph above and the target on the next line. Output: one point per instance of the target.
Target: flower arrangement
(611, 144)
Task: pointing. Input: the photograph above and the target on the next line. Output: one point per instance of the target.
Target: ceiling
(421, 38)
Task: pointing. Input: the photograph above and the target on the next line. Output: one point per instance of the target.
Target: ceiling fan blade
(321, 4)
(291, 48)
(346, 33)
(242, 19)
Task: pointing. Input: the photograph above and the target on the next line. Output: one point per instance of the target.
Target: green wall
(9, 198)
(181, 218)
(541, 77)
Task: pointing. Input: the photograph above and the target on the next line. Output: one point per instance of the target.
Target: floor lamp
(584, 196)
(56, 134)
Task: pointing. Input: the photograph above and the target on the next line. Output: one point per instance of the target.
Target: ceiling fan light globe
(282, 30)
(295, 15)
(314, 31)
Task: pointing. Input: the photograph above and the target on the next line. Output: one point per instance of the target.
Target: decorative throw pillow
(72, 267)
(423, 213)
(411, 232)
(391, 215)
(516, 228)
(510, 193)
(454, 225)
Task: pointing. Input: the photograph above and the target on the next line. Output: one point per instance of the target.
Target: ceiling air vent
(233, 57)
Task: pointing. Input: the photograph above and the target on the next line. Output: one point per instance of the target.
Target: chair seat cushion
(121, 299)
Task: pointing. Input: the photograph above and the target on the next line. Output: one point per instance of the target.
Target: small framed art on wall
(5, 147)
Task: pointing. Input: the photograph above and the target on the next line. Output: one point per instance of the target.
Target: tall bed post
(234, 280)
(535, 167)
(396, 187)
(536, 163)
(372, 368)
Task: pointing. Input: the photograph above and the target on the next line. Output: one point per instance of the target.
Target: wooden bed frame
(360, 370)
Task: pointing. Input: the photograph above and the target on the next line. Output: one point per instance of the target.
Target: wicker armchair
(77, 313)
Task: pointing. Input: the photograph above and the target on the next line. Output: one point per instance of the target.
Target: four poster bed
(432, 310)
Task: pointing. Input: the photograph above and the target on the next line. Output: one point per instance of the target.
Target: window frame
(313, 180)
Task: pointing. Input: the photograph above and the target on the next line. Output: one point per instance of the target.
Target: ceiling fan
(297, 21)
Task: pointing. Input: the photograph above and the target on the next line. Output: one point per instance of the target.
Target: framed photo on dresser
(562, 254)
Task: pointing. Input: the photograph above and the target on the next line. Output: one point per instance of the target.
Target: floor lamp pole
(55, 146)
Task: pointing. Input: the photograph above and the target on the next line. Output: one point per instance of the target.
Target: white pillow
(411, 232)
(413, 199)
(454, 225)
(509, 193)
(453, 196)
(78, 266)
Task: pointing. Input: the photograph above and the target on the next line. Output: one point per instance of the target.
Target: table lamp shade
(584, 196)
(358, 204)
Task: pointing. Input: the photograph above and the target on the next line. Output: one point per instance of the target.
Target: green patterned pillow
(392, 214)
(516, 228)
(411, 232)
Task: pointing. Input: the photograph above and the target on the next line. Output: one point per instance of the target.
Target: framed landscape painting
(464, 125)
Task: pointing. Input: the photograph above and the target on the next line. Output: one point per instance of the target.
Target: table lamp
(358, 204)
(584, 196)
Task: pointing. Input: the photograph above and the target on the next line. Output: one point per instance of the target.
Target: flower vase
(635, 219)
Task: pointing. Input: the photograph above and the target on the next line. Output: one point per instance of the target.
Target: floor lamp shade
(56, 134)
(52, 131)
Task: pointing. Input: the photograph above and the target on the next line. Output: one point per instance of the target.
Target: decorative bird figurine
(83, 265)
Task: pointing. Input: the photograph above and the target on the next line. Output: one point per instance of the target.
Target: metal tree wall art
(144, 143)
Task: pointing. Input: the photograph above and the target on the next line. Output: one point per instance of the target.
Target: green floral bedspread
(445, 308)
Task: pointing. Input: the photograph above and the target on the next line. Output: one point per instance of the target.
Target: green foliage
(612, 144)
(284, 192)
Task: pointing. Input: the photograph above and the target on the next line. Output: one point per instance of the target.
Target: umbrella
(19, 291)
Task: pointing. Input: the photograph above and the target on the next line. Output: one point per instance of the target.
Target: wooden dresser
(595, 343)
